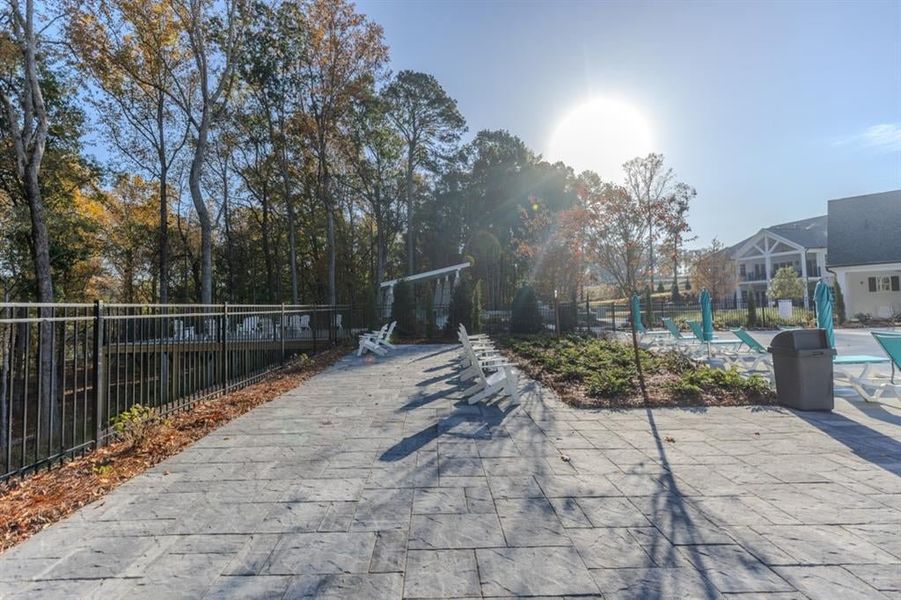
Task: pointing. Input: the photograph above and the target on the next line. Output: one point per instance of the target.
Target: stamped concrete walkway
(373, 481)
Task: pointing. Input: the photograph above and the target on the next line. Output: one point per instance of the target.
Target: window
(884, 283)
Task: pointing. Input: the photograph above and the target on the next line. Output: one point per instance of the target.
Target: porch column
(804, 277)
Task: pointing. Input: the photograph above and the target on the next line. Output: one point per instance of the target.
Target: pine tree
(752, 310)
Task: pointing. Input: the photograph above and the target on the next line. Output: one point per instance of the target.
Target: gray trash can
(802, 361)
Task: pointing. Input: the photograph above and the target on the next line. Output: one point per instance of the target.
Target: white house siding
(854, 282)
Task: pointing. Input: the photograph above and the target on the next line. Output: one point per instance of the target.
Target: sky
(768, 109)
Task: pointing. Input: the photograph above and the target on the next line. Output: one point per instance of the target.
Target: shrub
(403, 309)
(693, 382)
(609, 384)
(524, 316)
(475, 319)
(752, 310)
(135, 425)
(460, 310)
(839, 304)
(568, 316)
(429, 311)
(660, 288)
(675, 296)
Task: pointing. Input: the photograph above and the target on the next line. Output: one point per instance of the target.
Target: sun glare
(600, 135)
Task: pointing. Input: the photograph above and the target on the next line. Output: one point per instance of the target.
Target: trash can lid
(800, 339)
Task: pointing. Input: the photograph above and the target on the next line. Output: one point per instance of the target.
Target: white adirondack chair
(479, 361)
(369, 342)
(249, 328)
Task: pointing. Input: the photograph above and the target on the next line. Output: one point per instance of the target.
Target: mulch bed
(575, 394)
(30, 504)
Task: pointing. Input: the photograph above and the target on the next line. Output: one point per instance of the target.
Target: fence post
(223, 347)
(314, 320)
(587, 313)
(99, 366)
(281, 329)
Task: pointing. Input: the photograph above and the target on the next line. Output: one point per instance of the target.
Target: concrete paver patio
(373, 481)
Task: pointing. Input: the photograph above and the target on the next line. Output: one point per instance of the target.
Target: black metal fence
(67, 370)
(587, 317)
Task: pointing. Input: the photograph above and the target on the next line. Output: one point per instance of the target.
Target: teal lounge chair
(677, 336)
(756, 355)
(715, 342)
(862, 383)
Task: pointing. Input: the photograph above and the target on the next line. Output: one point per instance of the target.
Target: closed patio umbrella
(635, 309)
(824, 299)
(706, 315)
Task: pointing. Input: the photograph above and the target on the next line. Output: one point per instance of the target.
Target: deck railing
(67, 370)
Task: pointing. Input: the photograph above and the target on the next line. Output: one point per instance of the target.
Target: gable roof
(808, 233)
(865, 230)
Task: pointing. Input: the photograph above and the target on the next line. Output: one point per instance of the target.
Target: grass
(592, 372)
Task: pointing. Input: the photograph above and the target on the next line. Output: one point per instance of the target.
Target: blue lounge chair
(676, 335)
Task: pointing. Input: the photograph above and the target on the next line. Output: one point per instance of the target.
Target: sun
(601, 134)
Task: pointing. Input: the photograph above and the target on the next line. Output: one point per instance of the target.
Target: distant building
(864, 252)
(798, 244)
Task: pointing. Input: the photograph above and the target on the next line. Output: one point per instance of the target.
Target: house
(798, 244)
(864, 253)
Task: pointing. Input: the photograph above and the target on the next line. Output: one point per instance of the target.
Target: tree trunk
(164, 203)
(203, 214)
(410, 238)
(40, 248)
(292, 235)
(331, 255)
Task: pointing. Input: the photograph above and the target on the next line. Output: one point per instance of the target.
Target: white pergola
(447, 279)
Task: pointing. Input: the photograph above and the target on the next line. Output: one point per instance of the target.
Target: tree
(787, 285)
(675, 226)
(430, 124)
(714, 270)
(615, 229)
(403, 309)
(839, 303)
(460, 310)
(475, 321)
(27, 125)
(344, 54)
(132, 50)
(214, 38)
(524, 315)
(752, 310)
(653, 186)
(271, 73)
(375, 151)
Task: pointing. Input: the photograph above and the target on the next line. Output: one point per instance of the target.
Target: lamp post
(556, 314)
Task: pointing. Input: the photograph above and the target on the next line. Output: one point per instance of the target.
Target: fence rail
(67, 370)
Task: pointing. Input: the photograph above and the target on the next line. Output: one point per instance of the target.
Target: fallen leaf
(565, 458)
(670, 439)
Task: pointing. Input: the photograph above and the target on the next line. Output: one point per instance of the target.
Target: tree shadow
(479, 419)
(867, 443)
